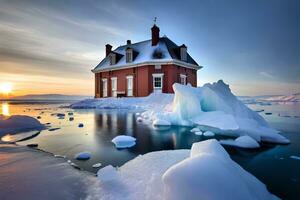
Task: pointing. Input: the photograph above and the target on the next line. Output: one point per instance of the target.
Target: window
(157, 82)
(112, 59)
(129, 55)
(182, 79)
(157, 66)
(114, 86)
(104, 87)
(183, 53)
(129, 85)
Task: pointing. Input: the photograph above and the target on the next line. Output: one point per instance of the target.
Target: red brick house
(142, 68)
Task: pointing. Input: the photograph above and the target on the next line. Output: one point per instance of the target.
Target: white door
(104, 88)
(114, 87)
(157, 83)
(129, 86)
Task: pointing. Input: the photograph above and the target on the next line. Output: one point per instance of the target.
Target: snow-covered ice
(161, 122)
(18, 123)
(242, 142)
(107, 173)
(96, 165)
(83, 156)
(198, 133)
(196, 129)
(205, 172)
(124, 141)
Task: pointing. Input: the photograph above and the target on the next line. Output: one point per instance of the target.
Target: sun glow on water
(5, 109)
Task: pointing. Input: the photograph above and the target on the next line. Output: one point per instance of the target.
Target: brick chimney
(128, 42)
(155, 35)
(108, 49)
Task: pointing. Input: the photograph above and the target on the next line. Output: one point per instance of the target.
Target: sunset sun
(5, 88)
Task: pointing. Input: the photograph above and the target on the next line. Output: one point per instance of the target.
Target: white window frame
(183, 53)
(161, 76)
(129, 90)
(104, 92)
(157, 66)
(183, 79)
(129, 55)
(114, 89)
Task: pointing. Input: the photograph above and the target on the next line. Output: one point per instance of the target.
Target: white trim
(104, 79)
(159, 62)
(104, 92)
(158, 75)
(129, 76)
(113, 78)
(114, 90)
(182, 75)
(129, 90)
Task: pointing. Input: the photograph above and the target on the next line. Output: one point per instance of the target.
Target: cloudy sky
(51, 46)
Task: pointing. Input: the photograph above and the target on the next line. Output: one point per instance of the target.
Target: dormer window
(112, 59)
(183, 53)
(129, 55)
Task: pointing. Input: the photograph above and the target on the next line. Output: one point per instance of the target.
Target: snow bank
(242, 141)
(213, 107)
(153, 100)
(18, 123)
(205, 172)
(124, 141)
(210, 174)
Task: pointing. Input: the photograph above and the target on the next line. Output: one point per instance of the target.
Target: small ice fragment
(295, 157)
(208, 134)
(59, 156)
(83, 156)
(107, 173)
(80, 125)
(75, 166)
(124, 141)
(97, 165)
(139, 119)
(137, 114)
(242, 142)
(198, 133)
(196, 129)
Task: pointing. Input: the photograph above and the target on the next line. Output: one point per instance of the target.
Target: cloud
(267, 75)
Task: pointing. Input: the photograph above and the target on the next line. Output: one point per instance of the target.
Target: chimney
(108, 49)
(128, 42)
(155, 35)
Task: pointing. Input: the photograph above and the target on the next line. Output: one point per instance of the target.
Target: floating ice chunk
(139, 119)
(208, 134)
(242, 142)
(124, 141)
(80, 125)
(196, 129)
(161, 122)
(205, 176)
(83, 156)
(107, 173)
(97, 165)
(295, 157)
(59, 156)
(198, 133)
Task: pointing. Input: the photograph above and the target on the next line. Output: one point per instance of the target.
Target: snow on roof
(166, 48)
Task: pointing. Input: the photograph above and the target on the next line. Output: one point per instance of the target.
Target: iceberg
(213, 107)
(124, 141)
(209, 173)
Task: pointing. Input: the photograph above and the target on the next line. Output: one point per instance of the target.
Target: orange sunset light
(5, 88)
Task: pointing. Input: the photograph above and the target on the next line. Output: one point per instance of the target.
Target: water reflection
(5, 109)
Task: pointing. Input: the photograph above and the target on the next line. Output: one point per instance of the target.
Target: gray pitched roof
(165, 51)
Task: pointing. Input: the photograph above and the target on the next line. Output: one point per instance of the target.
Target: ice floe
(83, 156)
(124, 141)
(208, 134)
(242, 142)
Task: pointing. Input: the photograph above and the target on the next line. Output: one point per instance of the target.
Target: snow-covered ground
(212, 108)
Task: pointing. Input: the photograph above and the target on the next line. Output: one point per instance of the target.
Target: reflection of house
(142, 68)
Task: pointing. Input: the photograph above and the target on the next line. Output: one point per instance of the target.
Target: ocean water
(271, 163)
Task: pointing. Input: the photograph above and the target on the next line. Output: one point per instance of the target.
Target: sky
(51, 46)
